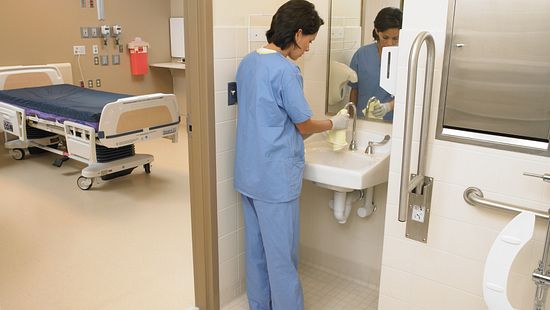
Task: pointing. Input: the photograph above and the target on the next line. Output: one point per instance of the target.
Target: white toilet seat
(503, 252)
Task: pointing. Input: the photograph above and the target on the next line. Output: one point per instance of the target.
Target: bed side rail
(12, 121)
(139, 118)
(80, 142)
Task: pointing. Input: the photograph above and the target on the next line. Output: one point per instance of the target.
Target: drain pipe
(368, 208)
(342, 204)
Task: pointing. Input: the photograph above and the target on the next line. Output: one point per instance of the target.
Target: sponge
(338, 137)
(371, 105)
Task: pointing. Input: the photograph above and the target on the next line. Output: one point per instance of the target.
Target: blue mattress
(61, 102)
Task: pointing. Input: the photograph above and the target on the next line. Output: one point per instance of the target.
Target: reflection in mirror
(354, 69)
(345, 39)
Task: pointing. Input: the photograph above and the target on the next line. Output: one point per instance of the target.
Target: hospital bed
(40, 112)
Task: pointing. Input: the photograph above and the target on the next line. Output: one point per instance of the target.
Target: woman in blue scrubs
(366, 62)
(272, 116)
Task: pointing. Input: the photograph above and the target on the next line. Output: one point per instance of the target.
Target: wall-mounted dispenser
(494, 89)
(177, 38)
(388, 68)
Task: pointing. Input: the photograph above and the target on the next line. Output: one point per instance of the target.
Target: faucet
(369, 149)
(353, 142)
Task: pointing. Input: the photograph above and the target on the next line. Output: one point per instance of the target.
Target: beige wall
(234, 13)
(176, 7)
(37, 32)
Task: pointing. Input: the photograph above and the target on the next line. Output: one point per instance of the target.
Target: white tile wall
(228, 50)
(446, 273)
(230, 46)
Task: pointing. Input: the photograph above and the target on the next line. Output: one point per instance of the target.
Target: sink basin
(344, 170)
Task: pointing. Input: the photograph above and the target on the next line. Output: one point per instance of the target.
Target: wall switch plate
(116, 59)
(231, 93)
(79, 50)
(95, 49)
(84, 32)
(94, 32)
(96, 60)
(90, 83)
(98, 83)
(104, 60)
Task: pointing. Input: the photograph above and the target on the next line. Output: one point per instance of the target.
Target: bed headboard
(32, 76)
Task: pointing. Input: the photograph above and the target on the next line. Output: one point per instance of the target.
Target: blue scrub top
(366, 62)
(269, 160)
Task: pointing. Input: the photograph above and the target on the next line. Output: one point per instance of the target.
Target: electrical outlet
(418, 213)
(94, 32)
(79, 50)
(116, 59)
(104, 60)
(98, 83)
(96, 60)
(90, 83)
(257, 34)
(84, 33)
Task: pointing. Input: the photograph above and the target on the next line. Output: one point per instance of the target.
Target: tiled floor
(326, 291)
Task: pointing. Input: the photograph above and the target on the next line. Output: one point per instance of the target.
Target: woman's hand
(383, 108)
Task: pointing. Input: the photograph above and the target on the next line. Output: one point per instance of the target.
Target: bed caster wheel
(147, 168)
(18, 154)
(84, 183)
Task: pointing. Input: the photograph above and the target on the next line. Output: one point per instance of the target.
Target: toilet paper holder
(541, 275)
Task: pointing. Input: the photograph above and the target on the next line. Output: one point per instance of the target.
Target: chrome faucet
(353, 142)
(371, 144)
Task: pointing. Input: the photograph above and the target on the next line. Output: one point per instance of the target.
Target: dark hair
(291, 17)
(386, 19)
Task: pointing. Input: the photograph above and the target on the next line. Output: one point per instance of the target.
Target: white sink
(344, 170)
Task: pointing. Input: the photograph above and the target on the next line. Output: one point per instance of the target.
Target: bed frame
(122, 123)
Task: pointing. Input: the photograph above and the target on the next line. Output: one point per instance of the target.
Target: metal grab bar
(418, 181)
(541, 275)
(474, 197)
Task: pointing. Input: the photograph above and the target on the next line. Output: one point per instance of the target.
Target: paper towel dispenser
(177, 38)
(496, 75)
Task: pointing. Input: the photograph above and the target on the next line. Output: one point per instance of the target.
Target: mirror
(353, 53)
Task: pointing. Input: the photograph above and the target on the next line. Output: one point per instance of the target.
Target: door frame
(202, 150)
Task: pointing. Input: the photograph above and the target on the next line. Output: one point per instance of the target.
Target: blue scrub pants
(272, 240)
